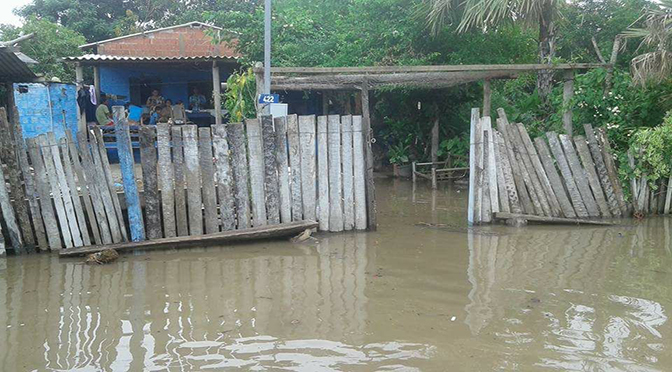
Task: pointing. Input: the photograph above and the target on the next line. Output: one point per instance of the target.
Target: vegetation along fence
(554, 179)
(195, 182)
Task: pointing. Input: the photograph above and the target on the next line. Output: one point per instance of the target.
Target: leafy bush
(240, 96)
(652, 148)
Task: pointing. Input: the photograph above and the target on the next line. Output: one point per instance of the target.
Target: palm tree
(656, 65)
(485, 14)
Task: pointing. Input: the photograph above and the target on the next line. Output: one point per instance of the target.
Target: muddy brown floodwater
(423, 293)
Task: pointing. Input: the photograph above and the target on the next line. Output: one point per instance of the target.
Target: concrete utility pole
(267, 47)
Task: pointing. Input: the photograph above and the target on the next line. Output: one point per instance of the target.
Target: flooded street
(422, 293)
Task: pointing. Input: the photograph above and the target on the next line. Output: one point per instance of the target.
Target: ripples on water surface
(409, 297)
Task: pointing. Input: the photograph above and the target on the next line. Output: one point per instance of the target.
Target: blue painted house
(174, 60)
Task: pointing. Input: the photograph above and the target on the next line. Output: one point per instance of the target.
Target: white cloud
(8, 16)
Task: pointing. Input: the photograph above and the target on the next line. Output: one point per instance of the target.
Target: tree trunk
(546, 48)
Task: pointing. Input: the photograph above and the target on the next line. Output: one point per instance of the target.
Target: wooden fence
(195, 181)
(552, 179)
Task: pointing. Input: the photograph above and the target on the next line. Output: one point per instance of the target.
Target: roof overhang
(98, 59)
(14, 67)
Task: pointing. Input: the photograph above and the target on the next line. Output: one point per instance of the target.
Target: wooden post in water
(43, 190)
(322, 174)
(178, 169)
(308, 166)
(435, 149)
(359, 171)
(271, 181)
(471, 215)
(256, 164)
(335, 176)
(224, 177)
(348, 181)
(166, 181)
(295, 166)
(208, 180)
(282, 164)
(368, 136)
(9, 217)
(150, 182)
(193, 179)
(240, 174)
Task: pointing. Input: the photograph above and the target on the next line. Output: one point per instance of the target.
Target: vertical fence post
(366, 127)
(487, 97)
(567, 94)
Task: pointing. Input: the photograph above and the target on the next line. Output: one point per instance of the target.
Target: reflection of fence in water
(140, 313)
(572, 273)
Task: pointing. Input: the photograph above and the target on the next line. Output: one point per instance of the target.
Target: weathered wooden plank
(662, 191)
(510, 193)
(486, 206)
(223, 177)
(601, 168)
(565, 170)
(522, 160)
(368, 153)
(554, 178)
(193, 177)
(105, 164)
(531, 171)
(55, 186)
(29, 181)
(100, 196)
(492, 166)
(10, 218)
(208, 180)
(668, 196)
(348, 181)
(358, 169)
(335, 175)
(479, 172)
(475, 117)
(256, 164)
(127, 166)
(65, 190)
(240, 174)
(8, 155)
(611, 170)
(308, 166)
(73, 155)
(323, 173)
(166, 176)
(553, 201)
(295, 166)
(255, 233)
(181, 218)
(271, 186)
(74, 192)
(504, 204)
(579, 175)
(523, 195)
(3, 250)
(556, 220)
(282, 163)
(593, 179)
(150, 181)
(44, 191)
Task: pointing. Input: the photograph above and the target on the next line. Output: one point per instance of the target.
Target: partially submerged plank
(486, 206)
(9, 216)
(295, 166)
(510, 192)
(492, 166)
(322, 174)
(308, 166)
(554, 178)
(55, 186)
(165, 174)
(223, 177)
(504, 204)
(668, 196)
(570, 183)
(523, 195)
(178, 174)
(193, 179)
(348, 181)
(44, 191)
(256, 164)
(105, 164)
(521, 157)
(611, 170)
(579, 175)
(73, 155)
(282, 163)
(593, 178)
(601, 168)
(208, 180)
(529, 169)
(554, 220)
(127, 166)
(335, 176)
(65, 190)
(479, 173)
(240, 174)
(74, 192)
(271, 187)
(150, 183)
(358, 170)
(475, 117)
(250, 234)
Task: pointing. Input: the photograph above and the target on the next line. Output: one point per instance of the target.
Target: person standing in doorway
(197, 101)
(103, 114)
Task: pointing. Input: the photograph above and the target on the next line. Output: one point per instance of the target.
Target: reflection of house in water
(193, 309)
(549, 291)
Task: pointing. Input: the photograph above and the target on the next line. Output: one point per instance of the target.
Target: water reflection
(195, 310)
(573, 295)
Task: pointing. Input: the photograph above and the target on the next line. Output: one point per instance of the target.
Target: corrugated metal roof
(12, 68)
(110, 58)
(189, 24)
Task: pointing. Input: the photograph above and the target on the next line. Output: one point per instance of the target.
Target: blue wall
(174, 81)
(46, 107)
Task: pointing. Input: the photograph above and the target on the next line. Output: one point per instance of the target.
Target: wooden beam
(368, 159)
(255, 233)
(217, 92)
(552, 220)
(441, 68)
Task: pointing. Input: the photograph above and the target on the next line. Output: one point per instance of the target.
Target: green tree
(50, 43)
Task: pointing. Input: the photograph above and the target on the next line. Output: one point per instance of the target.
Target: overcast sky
(9, 17)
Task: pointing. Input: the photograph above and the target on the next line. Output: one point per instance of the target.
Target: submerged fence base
(571, 178)
(196, 182)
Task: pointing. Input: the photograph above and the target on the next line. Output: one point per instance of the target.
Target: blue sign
(269, 98)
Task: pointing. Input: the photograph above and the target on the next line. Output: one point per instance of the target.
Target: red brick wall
(183, 42)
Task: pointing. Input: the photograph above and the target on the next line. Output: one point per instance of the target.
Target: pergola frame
(365, 79)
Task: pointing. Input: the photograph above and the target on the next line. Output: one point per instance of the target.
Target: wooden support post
(325, 103)
(413, 175)
(217, 92)
(435, 149)
(81, 114)
(567, 94)
(96, 82)
(259, 78)
(295, 166)
(368, 153)
(150, 182)
(271, 181)
(166, 181)
(487, 97)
